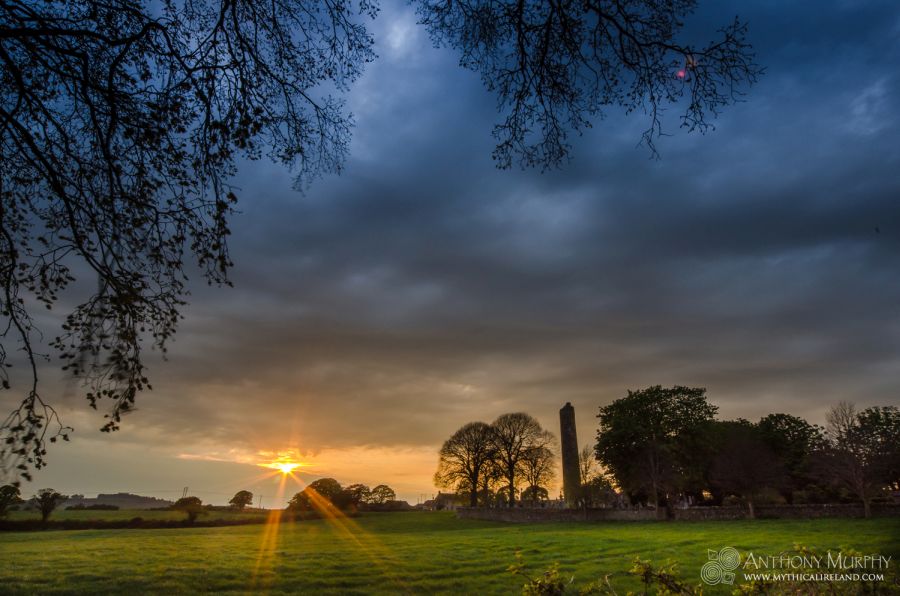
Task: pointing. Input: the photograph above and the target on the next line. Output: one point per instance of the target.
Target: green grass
(423, 553)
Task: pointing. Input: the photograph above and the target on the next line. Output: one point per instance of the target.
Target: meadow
(416, 552)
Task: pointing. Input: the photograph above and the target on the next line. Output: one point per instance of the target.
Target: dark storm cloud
(423, 288)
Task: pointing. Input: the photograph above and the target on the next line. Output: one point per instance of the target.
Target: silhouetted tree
(300, 502)
(47, 500)
(489, 489)
(646, 438)
(854, 456)
(745, 465)
(554, 65)
(359, 493)
(587, 464)
(345, 500)
(793, 440)
(316, 494)
(513, 434)
(9, 495)
(120, 125)
(535, 494)
(881, 428)
(241, 499)
(596, 488)
(538, 465)
(381, 494)
(598, 491)
(464, 459)
(191, 506)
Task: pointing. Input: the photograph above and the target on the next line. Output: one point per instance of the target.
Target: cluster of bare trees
(862, 451)
(491, 462)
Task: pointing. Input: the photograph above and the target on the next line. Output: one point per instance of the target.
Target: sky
(423, 288)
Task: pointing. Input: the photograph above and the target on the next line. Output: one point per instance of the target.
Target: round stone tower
(569, 438)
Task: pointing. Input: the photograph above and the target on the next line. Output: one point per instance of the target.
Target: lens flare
(285, 467)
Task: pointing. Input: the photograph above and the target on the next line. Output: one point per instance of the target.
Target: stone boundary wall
(786, 512)
(530, 515)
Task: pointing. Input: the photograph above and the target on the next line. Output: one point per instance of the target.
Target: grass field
(418, 552)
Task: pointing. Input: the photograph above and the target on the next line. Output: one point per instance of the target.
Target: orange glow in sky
(285, 467)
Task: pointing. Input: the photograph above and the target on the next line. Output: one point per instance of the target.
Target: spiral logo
(711, 572)
(729, 558)
(721, 564)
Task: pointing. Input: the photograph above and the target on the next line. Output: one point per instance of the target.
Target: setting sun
(285, 467)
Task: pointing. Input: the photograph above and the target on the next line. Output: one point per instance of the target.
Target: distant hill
(120, 500)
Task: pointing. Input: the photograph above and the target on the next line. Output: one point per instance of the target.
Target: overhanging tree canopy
(119, 129)
(555, 65)
(120, 124)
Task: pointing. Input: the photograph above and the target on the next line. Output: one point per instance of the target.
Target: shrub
(192, 506)
(666, 579)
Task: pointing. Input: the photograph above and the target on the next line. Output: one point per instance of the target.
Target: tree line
(325, 493)
(664, 447)
(318, 495)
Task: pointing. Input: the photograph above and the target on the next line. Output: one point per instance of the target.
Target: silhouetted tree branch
(538, 466)
(556, 64)
(512, 436)
(465, 458)
(861, 453)
(120, 125)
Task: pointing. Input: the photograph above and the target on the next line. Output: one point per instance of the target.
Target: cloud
(423, 289)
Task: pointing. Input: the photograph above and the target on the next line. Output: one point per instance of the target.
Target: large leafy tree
(382, 494)
(647, 439)
(192, 507)
(793, 440)
(47, 500)
(465, 459)
(9, 495)
(744, 464)
(358, 493)
(241, 499)
(121, 124)
(318, 495)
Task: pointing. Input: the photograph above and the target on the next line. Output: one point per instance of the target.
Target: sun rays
(285, 467)
(357, 538)
(347, 530)
(262, 570)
